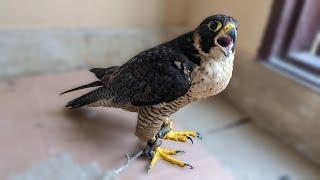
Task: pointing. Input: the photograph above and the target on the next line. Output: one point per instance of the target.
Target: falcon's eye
(215, 26)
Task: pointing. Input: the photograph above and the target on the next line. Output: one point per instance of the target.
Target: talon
(166, 132)
(179, 152)
(190, 139)
(199, 136)
(189, 166)
(164, 154)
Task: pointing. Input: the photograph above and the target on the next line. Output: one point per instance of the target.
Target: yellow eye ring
(214, 26)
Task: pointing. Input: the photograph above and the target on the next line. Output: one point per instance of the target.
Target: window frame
(279, 34)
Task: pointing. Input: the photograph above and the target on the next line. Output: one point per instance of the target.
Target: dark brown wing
(156, 75)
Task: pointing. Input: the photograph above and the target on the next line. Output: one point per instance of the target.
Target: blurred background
(265, 125)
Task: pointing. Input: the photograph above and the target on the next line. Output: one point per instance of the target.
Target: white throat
(213, 74)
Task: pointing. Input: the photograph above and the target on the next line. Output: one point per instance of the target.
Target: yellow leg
(160, 153)
(155, 152)
(179, 135)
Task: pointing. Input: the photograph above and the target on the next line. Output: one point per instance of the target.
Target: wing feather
(152, 77)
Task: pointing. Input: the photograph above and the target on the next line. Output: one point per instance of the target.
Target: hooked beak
(225, 40)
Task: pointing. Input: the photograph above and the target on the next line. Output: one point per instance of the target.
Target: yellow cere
(229, 26)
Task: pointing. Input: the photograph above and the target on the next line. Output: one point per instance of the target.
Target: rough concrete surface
(61, 167)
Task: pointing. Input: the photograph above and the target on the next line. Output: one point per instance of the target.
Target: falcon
(159, 81)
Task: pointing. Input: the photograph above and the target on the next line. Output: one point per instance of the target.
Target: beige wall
(90, 13)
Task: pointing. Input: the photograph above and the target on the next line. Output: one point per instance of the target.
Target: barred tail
(88, 98)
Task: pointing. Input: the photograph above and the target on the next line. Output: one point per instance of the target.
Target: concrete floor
(247, 151)
(33, 129)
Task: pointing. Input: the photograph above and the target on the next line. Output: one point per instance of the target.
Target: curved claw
(199, 136)
(189, 166)
(190, 139)
(179, 152)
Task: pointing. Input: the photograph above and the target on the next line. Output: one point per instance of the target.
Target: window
(292, 39)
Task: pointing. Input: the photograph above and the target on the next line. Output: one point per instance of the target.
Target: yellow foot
(182, 136)
(167, 133)
(160, 153)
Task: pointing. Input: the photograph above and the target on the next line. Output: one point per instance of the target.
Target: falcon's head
(216, 35)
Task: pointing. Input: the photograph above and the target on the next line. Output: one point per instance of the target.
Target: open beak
(225, 40)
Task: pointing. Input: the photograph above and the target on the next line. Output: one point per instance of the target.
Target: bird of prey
(159, 81)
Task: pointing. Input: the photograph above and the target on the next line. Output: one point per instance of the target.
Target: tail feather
(95, 95)
(93, 84)
(88, 98)
(101, 72)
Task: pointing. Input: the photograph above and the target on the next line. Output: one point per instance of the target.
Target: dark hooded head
(217, 32)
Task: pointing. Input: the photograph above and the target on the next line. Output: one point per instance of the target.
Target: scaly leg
(155, 153)
(166, 132)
